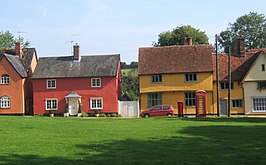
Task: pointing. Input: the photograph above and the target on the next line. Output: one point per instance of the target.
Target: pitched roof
(175, 59)
(239, 65)
(16, 63)
(20, 65)
(28, 54)
(66, 67)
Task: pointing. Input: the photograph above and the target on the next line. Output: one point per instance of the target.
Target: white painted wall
(250, 90)
(250, 83)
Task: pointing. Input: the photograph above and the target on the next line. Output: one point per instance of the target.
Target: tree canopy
(175, 36)
(251, 27)
(132, 65)
(7, 40)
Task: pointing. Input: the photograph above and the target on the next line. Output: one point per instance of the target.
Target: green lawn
(44, 140)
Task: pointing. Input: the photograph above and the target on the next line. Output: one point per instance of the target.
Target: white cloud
(44, 11)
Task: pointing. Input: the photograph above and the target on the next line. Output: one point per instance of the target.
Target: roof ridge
(177, 46)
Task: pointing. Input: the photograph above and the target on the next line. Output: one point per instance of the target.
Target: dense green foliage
(43, 140)
(7, 40)
(130, 83)
(132, 65)
(175, 36)
(251, 27)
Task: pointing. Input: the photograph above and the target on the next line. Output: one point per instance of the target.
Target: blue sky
(114, 26)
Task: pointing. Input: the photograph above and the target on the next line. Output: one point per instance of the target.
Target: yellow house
(174, 73)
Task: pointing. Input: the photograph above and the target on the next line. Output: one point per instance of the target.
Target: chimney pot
(76, 52)
(18, 49)
(184, 41)
(189, 40)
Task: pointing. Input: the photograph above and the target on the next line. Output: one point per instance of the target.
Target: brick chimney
(18, 49)
(184, 41)
(238, 47)
(76, 56)
(189, 40)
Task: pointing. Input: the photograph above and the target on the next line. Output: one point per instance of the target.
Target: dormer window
(96, 82)
(5, 79)
(51, 84)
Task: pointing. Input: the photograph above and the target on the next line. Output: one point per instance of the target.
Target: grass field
(44, 140)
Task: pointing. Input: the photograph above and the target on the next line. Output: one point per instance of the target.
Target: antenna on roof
(19, 37)
(73, 41)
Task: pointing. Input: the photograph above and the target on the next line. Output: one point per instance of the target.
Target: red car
(158, 110)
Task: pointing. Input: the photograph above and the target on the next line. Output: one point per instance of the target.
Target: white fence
(128, 108)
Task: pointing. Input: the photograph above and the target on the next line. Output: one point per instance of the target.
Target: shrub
(119, 115)
(84, 114)
(113, 115)
(102, 115)
(108, 115)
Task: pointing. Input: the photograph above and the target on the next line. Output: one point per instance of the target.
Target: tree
(175, 36)
(251, 27)
(130, 84)
(7, 40)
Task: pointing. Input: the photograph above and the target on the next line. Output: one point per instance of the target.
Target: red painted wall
(109, 91)
(14, 90)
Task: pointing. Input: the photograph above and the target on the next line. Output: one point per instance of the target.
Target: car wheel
(146, 115)
(169, 115)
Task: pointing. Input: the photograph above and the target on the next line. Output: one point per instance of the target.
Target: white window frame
(157, 78)
(51, 99)
(5, 79)
(96, 85)
(97, 99)
(5, 102)
(191, 77)
(50, 80)
(190, 101)
(261, 104)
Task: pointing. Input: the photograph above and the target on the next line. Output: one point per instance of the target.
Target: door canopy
(72, 95)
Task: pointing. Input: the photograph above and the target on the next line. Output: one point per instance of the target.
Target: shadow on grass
(225, 119)
(193, 145)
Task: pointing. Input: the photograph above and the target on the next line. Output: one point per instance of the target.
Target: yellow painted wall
(173, 88)
(236, 93)
(175, 82)
(171, 98)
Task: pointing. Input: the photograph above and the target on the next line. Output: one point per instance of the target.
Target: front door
(73, 106)
(223, 107)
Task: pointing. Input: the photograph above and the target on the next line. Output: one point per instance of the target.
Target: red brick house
(93, 82)
(16, 68)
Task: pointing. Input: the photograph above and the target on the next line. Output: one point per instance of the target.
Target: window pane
(190, 99)
(154, 99)
(156, 78)
(259, 104)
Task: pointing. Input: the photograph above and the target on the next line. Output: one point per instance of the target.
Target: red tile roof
(175, 59)
(239, 65)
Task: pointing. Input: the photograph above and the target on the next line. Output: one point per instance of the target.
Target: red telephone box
(180, 107)
(201, 103)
